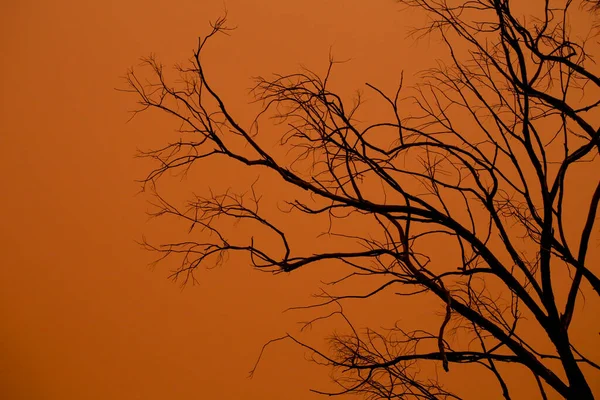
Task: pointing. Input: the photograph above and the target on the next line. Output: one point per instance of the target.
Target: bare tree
(483, 163)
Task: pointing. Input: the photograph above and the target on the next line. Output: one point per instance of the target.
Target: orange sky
(83, 316)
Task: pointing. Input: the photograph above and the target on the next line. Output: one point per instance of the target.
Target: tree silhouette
(483, 163)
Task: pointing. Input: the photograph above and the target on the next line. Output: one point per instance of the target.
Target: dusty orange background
(82, 316)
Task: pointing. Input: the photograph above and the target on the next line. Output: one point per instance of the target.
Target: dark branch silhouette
(484, 160)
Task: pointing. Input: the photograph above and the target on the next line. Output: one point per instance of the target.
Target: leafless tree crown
(486, 162)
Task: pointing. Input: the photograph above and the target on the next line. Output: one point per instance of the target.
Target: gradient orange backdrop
(82, 315)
